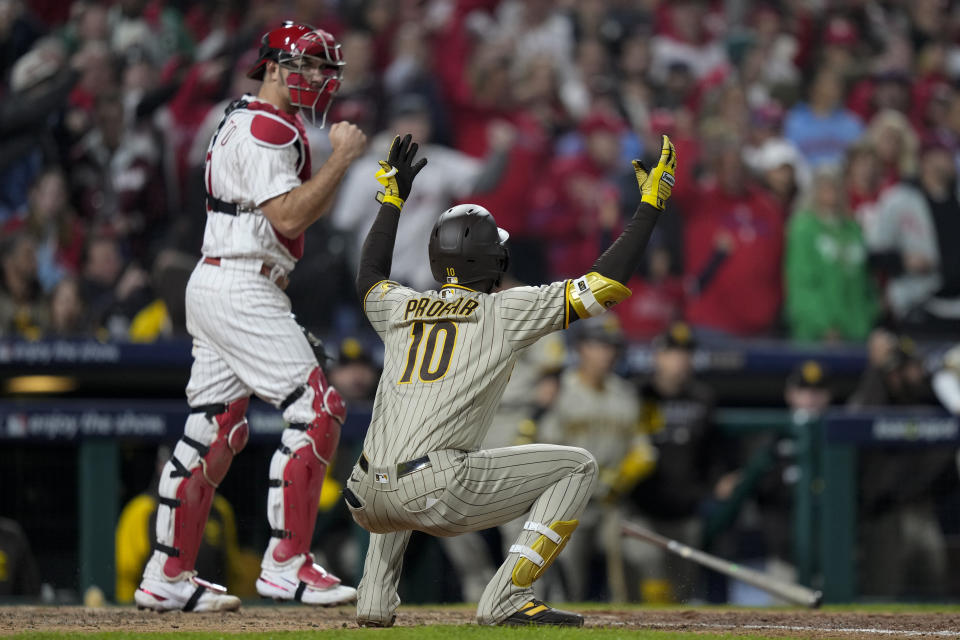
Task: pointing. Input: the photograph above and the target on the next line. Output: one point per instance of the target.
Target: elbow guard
(592, 294)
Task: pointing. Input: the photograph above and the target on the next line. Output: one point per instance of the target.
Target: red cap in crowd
(602, 121)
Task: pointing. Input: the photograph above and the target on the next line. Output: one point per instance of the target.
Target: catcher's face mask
(315, 71)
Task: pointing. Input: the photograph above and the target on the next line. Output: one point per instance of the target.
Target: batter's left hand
(398, 171)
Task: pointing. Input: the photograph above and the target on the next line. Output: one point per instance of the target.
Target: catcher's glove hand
(656, 185)
(397, 172)
(316, 344)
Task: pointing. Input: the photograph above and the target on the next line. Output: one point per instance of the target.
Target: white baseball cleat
(304, 581)
(186, 594)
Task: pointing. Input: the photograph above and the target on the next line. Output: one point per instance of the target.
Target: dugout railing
(145, 383)
(824, 508)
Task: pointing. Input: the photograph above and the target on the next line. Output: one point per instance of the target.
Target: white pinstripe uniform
(448, 356)
(510, 426)
(245, 339)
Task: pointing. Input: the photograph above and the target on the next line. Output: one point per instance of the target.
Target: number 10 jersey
(447, 357)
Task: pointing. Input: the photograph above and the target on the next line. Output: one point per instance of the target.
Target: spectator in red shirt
(513, 197)
(933, 79)
(97, 76)
(734, 250)
(484, 98)
(884, 90)
(577, 204)
(657, 299)
(116, 180)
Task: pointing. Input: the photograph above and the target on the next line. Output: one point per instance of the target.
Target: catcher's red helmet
(314, 59)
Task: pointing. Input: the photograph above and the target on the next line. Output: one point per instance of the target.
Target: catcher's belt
(272, 272)
(403, 468)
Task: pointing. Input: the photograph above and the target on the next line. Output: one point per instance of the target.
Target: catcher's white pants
(245, 341)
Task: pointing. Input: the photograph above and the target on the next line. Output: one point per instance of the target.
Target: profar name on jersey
(434, 308)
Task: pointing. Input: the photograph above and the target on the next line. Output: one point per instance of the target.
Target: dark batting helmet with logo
(467, 247)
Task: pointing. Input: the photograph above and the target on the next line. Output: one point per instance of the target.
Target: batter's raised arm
(295, 210)
(603, 287)
(396, 174)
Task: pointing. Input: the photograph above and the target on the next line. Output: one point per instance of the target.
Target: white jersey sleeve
(267, 171)
(528, 313)
(255, 155)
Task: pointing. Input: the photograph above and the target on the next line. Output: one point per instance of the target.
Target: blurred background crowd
(816, 203)
(818, 145)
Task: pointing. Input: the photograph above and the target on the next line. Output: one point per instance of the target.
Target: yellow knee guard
(536, 558)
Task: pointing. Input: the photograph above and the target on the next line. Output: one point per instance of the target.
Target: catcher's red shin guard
(212, 436)
(315, 412)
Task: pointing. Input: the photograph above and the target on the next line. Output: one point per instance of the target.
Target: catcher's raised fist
(347, 138)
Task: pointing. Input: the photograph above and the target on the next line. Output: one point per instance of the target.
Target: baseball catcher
(261, 196)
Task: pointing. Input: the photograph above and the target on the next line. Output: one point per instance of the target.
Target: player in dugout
(448, 356)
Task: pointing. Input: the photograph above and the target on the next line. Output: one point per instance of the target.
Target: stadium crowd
(818, 146)
(816, 199)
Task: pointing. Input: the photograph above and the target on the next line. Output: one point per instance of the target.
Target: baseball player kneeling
(448, 356)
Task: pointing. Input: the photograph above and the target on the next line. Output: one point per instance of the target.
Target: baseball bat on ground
(791, 592)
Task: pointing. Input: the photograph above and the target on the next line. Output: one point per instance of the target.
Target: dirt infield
(788, 624)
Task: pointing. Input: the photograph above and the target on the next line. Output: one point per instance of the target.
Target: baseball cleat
(187, 594)
(305, 582)
(362, 622)
(536, 612)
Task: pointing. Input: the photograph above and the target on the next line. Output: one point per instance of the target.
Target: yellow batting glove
(657, 185)
(387, 176)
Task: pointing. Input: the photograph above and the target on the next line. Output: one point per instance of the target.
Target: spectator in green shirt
(830, 295)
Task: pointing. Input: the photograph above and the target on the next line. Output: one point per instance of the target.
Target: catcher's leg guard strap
(318, 410)
(293, 498)
(536, 558)
(189, 480)
(315, 412)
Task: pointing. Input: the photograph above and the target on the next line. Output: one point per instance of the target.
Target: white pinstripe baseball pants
(245, 339)
(463, 492)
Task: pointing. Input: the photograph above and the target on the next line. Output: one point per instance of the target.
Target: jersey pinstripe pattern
(454, 411)
(236, 317)
(464, 489)
(245, 340)
(247, 171)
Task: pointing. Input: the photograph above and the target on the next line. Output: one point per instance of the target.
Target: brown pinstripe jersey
(447, 357)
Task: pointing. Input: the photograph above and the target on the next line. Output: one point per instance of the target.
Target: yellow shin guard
(536, 558)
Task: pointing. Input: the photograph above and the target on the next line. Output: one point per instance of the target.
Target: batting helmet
(467, 247)
(314, 60)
